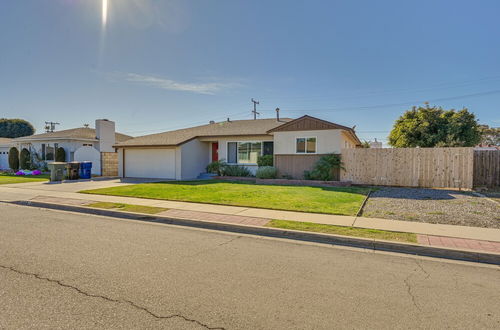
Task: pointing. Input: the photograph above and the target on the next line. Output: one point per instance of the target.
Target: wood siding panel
(295, 165)
(410, 167)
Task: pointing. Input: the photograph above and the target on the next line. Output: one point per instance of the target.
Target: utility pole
(255, 113)
(50, 126)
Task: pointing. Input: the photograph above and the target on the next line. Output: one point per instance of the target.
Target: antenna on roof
(50, 126)
(86, 125)
(255, 113)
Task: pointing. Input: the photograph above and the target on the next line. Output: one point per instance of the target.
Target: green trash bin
(73, 170)
(57, 170)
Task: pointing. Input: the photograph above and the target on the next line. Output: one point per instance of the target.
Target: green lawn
(11, 178)
(331, 200)
(346, 231)
(127, 207)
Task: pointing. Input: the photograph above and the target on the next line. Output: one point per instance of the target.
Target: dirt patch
(433, 206)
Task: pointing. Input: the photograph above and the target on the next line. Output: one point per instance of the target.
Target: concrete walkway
(28, 191)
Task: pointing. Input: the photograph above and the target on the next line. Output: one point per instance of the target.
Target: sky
(157, 65)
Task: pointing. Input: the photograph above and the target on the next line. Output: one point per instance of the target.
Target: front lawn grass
(8, 178)
(329, 200)
(127, 207)
(346, 231)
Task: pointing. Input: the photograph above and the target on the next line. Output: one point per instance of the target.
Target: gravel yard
(433, 206)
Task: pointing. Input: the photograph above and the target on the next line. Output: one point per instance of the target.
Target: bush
(266, 160)
(324, 167)
(24, 159)
(235, 170)
(267, 172)
(14, 159)
(60, 155)
(216, 167)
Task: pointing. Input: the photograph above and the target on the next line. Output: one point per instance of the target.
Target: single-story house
(80, 144)
(5, 145)
(296, 145)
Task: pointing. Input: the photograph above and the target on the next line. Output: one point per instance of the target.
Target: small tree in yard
(14, 159)
(490, 136)
(24, 159)
(434, 127)
(60, 155)
(265, 160)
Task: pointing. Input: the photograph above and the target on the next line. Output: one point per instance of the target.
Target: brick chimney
(105, 133)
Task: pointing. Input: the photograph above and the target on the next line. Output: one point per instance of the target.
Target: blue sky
(159, 65)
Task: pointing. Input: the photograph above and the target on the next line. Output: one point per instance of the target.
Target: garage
(149, 163)
(4, 158)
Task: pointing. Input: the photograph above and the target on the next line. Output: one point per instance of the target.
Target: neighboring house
(183, 154)
(80, 144)
(5, 145)
(375, 144)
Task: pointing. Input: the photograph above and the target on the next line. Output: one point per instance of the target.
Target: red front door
(215, 151)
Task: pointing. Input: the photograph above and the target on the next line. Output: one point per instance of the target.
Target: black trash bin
(73, 170)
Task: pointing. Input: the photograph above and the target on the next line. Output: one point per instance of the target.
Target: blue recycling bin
(85, 170)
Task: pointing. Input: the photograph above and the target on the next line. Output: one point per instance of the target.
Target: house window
(49, 153)
(87, 144)
(248, 152)
(305, 145)
(43, 151)
(268, 148)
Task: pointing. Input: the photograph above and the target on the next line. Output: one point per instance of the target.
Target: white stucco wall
(4, 157)
(327, 141)
(89, 154)
(194, 158)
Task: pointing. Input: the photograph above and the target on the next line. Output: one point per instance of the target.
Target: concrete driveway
(78, 185)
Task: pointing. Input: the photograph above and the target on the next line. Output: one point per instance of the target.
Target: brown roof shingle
(225, 128)
(74, 133)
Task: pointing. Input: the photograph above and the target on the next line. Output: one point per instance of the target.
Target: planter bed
(290, 182)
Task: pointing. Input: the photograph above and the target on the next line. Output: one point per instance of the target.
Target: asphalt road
(64, 270)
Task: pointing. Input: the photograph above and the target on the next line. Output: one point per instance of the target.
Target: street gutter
(364, 243)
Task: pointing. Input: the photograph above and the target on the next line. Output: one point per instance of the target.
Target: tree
(434, 127)
(490, 135)
(13, 128)
(365, 144)
(24, 159)
(60, 155)
(14, 159)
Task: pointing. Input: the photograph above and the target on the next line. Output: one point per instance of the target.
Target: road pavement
(64, 270)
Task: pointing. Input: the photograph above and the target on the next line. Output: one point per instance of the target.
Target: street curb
(370, 244)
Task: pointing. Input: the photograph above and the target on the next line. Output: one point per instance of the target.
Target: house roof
(306, 123)
(5, 141)
(84, 133)
(225, 128)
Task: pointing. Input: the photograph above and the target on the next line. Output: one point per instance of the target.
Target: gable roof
(309, 123)
(225, 128)
(83, 133)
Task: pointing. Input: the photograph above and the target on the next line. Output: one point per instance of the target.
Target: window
(268, 148)
(49, 155)
(87, 144)
(305, 145)
(248, 152)
(43, 151)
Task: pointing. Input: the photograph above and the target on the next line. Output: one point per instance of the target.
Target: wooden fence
(487, 168)
(410, 167)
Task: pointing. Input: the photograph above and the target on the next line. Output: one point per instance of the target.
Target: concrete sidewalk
(28, 191)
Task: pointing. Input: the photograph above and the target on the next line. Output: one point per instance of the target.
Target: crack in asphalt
(213, 248)
(422, 269)
(92, 295)
(408, 289)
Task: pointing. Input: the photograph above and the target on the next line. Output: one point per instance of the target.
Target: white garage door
(150, 163)
(4, 159)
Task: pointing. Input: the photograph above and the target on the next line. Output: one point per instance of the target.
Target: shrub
(235, 170)
(24, 159)
(267, 172)
(14, 159)
(324, 167)
(216, 167)
(60, 155)
(266, 160)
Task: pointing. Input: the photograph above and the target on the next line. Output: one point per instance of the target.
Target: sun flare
(104, 12)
